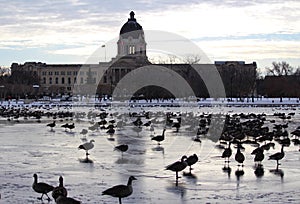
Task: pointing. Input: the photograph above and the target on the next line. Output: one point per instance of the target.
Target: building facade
(57, 79)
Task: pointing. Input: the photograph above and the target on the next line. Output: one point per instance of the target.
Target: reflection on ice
(38, 149)
(259, 171)
(86, 160)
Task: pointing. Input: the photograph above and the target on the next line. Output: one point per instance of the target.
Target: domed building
(59, 79)
(132, 40)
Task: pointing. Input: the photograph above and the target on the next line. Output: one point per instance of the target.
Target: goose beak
(133, 178)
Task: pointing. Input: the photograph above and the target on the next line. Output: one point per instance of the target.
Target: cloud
(228, 29)
(84, 51)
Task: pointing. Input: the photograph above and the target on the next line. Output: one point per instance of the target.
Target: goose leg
(48, 197)
(120, 202)
(41, 198)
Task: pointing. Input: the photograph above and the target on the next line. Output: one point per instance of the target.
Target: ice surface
(28, 147)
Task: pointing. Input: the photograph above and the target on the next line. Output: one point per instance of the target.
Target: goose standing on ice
(159, 138)
(71, 126)
(51, 125)
(259, 155)
(120, 191)
(60, 189)
(87, 146)
(65, 126)
(191, 160)
(227, 154)
(239, 157)
(178, 166)
(277, 156)
(40, 187)
(122, 148)
(83, 132)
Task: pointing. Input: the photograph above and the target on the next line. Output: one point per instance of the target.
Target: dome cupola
(131, 25)
(132, 40)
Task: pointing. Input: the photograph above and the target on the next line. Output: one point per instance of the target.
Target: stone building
(54, 79)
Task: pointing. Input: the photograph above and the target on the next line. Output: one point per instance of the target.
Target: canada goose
(51, 125)
(259, 156)
(84, 131)
(60, 189)
(178, 166)
(42, 188)
(277, 156)
(87, 146)
(71, 126)
(239, 157)
(122, 148)
(227, 154)
(191, 160)
(159, 138)
(65, 126)
(66, 200)
(120, 191)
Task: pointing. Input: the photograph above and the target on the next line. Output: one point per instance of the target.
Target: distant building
(52, 79)
(280, 86)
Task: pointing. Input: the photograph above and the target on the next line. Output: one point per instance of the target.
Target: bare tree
(297, 72)
(280, 69)
(192, 59)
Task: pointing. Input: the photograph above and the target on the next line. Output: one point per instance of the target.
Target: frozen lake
(29, 147)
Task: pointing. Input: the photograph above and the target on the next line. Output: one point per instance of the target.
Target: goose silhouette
(191, 160)
(239, 157)
(159, 138)
(87, 146)
(51, 125)
(259, 155)
(178, 166)
(277, 156)
(60, 190)
(120, 191)
(227, 154)
(41, 187)
(122, 148)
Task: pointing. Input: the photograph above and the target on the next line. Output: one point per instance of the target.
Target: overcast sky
(55, 31)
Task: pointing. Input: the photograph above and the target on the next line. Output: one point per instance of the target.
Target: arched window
(131, 49)
(63, 80)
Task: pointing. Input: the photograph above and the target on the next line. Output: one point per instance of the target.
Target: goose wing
(42, 187)
(118, 191)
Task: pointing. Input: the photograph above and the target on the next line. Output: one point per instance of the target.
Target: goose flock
(59, 193)
(237, 132)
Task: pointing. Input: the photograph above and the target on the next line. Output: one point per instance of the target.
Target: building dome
(131, 41)
(130, 26)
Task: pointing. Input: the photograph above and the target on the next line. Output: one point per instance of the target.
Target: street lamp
(103, 46)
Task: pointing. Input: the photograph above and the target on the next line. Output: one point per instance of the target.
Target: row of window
(57, 73)
(69, 73)
(69, 80)
(62, 81)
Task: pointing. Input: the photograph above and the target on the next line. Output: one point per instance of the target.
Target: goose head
(184, 157)
(132, 178)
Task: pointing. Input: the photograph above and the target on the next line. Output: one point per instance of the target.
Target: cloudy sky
(68, 31)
